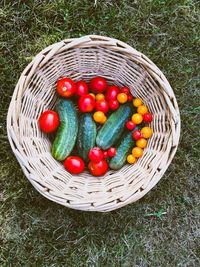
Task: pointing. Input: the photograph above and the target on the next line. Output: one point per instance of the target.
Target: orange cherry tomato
(99, 117)
(146, 132)
(137, 102)
(142, 110)
(104, 120)
(137, 152)
(131, 159)
(137, 118)
(100, 97)
(93, 95)
(122, 98)
(142, 143)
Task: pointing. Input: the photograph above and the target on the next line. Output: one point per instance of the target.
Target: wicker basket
(87, 57)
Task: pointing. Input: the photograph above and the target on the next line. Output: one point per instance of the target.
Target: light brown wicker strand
(83, 58)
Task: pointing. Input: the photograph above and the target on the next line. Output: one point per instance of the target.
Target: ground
(37, 232)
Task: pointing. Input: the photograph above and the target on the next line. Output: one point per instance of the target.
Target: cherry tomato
(113, 104)
(147, 117)
(100, 97)
(137, 118)
(137, 152)
(74, 165)
(66, 87)
(142, 143)
(104, 120)
(105, 154)
(122, 98)
(111, 152)
(142, 109)
(86, 103)
(112, 92)
(98, 84)
(99, 117)
(131, 159)
(130, 125)
(137, 134)
(125, 90)
(81, 88)
(137, 102)
(98, 169)
(102, 105)
(130, 98)
(93, 95)
(95, 154)
(49, 121)
(146, 132)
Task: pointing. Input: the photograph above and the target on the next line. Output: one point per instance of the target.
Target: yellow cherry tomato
(142, 110)
(146, 132)
(137, 102)
(137, 152)
(93, 95)
(99, 116)
(104, 120)
(100, 97)
(137, 118)
(131, 159)
(142, 143)
(122, 98)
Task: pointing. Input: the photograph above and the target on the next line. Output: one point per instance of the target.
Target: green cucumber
(111, 131)
(124, 149)
(67, 131)
(86, 135)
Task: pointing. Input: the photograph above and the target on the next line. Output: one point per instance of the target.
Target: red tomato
(147, 117)
(98, 85)
(81, 88)
(130, 98)
(137, 135)
(98, 169)
(86, 103)
(111, 152)
(125, 90)
(130, 125)
(95, 154)
(74, 165)
(102, 105)
(105, 154)
(49, 121)
(66, 87)
(113, 104)
(112, 92)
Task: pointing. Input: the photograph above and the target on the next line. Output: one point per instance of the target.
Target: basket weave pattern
(84, 58)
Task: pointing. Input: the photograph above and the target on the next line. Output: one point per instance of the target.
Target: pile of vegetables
(107, 130)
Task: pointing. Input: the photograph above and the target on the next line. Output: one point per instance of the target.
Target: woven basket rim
(90, 41)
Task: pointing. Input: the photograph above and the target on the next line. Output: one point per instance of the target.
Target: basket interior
(85, 63)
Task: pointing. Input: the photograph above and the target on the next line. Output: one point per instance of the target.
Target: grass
(162, 229)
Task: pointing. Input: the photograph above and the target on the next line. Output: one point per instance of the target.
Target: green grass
(162, 229)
